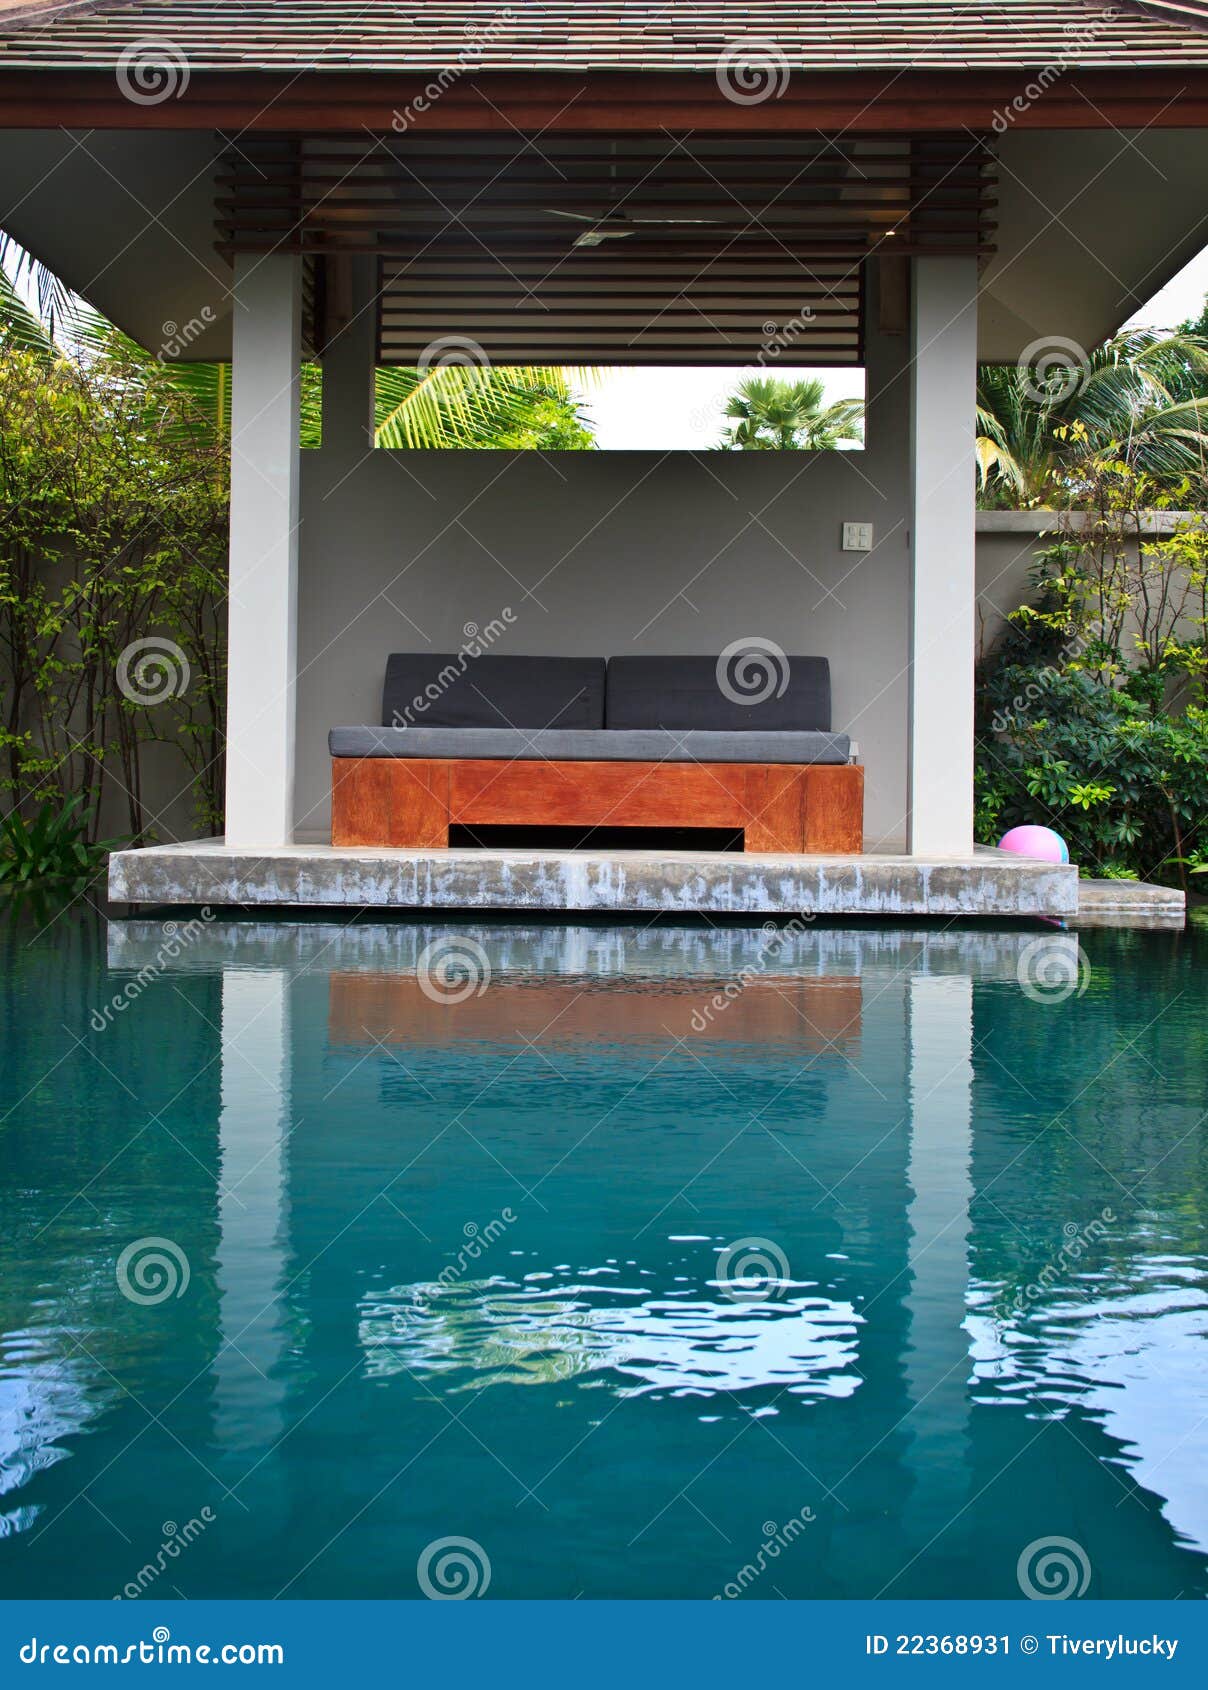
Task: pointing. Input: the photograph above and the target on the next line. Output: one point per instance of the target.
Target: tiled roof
(674, 35)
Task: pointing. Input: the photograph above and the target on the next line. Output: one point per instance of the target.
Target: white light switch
(857, 536)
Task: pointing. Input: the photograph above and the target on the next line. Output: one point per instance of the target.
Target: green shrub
(1126, 788)
(52, 848)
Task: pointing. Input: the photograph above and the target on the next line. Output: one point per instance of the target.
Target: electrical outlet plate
(857, 536)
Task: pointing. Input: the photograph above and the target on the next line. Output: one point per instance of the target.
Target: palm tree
(1141, 394)
(772, 414)
(448, 405)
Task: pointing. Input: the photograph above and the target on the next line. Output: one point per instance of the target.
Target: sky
(681, 409)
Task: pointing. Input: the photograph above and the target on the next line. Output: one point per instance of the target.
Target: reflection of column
(249, 1390)
(937, 1360)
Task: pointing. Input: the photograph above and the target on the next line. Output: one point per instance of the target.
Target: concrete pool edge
(986, 883)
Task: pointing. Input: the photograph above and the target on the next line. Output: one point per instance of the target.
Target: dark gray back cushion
(451, 690)
(747, 690)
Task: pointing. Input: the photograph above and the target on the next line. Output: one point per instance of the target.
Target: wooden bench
(413, 802)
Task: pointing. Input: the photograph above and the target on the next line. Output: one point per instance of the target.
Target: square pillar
(350, 354)
(943, 592)
(266, 362)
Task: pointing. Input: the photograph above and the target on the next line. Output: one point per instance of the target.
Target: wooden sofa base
(412, 802)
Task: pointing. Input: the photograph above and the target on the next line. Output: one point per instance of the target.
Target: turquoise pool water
(644, 1261)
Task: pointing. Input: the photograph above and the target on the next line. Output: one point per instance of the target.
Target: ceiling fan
(619, 225)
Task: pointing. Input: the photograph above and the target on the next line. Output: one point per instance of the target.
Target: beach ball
(1039, 842)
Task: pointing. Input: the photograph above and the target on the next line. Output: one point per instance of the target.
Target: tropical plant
(113, 511)
(1093, 705)
(772, 414)
(477, 405)
(448, 406)
(50, 848)
(1139, 397)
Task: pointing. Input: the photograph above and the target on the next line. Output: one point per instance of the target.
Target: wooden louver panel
(647, 250)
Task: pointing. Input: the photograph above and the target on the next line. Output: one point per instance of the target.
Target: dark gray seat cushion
(450, 690)
(687, 693)
(635, 745)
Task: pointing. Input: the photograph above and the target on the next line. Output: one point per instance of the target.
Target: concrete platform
(1129, 903)
(988, 883)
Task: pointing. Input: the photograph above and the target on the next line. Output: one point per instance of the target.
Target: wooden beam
(614, 102)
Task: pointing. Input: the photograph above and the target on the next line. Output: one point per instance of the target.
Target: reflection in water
(497, 1332)
(47, 1397)
(456, 1269)
(1128, 1347)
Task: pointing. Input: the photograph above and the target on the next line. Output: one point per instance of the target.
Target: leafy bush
(1093, 707)
(1127, 789)
(50, 849)
(113, 535)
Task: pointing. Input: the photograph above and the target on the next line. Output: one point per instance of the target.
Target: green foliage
(1093, 707)
(51, 848)
(477, 406)
(1141, 397)
(113, 525)
(553, 424)
(773, 415)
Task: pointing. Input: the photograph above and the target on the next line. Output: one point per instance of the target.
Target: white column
(263, 611)
(251, 1266)
(943, 586)
(937, 1362)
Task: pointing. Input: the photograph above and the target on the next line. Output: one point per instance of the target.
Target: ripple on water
(496, 1332)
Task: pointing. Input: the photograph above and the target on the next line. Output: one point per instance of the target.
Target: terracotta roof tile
(577, 35)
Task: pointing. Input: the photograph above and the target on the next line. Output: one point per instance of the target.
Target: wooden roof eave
(327, 102)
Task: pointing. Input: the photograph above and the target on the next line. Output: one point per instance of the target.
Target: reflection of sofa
(552, 1014)
(573, 742)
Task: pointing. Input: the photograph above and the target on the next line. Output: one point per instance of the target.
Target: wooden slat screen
(643, 250)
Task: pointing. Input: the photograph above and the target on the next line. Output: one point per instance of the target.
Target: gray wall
(608, 553)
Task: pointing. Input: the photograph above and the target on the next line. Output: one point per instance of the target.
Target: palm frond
(455, 405)
(56, 302)
(19, 326)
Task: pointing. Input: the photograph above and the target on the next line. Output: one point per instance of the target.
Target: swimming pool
(390, 1261)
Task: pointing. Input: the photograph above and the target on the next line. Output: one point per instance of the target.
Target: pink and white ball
(1039, 842)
